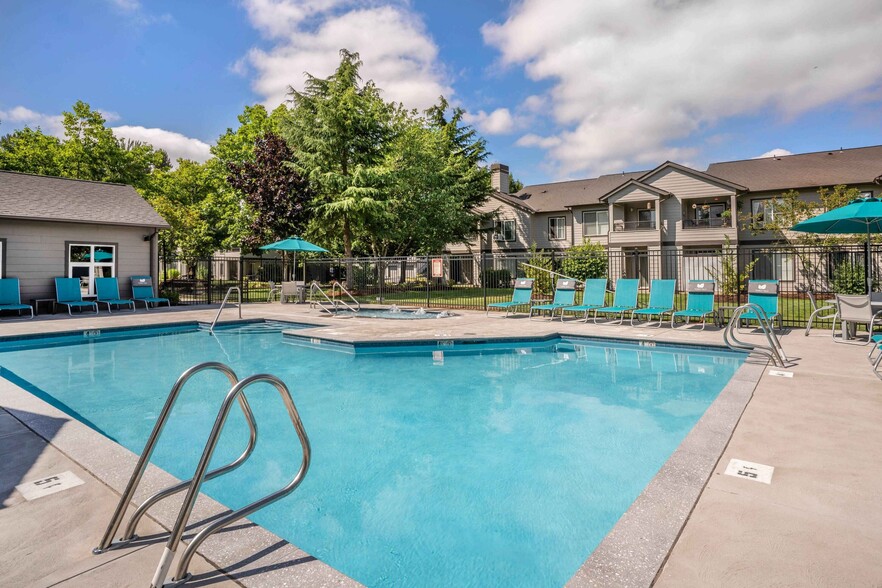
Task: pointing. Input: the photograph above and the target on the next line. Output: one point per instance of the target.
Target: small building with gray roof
(60, 227)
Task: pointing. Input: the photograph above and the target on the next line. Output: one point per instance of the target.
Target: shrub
(172, 274)
(173, 296)
(728, 280)
(586, 261)
(543, 282)
(202, 272)
(850, 278)
(497, 278)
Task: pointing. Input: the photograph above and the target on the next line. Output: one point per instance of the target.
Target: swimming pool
(395, 313)
(485, 465)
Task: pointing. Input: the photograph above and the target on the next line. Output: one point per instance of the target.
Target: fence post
(241, 278)
(428, 280)
(208, 274)
(484, 277)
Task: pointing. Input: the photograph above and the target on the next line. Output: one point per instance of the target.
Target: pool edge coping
(632, 553)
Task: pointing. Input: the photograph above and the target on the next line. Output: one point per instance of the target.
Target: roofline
(658, 191)
(582, 179)
(516, 202)
(8, 171)
(795, 154)
(85, 222)
(701, 174)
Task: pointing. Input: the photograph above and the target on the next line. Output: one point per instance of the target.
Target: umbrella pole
(869, 268)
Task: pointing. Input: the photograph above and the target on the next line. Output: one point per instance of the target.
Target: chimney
(499, 177)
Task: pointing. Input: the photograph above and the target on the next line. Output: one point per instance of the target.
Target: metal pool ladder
(224, 303)
(235, 394)
(331, 303)
(773, 350)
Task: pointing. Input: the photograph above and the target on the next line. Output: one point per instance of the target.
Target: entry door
(637, 265)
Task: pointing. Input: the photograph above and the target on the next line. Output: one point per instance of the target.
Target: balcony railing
(628, 226)
(706, 223)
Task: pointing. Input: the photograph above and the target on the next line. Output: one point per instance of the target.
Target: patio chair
(521, 296)
(661, 301)
(593, 297)
(699, 302)
(819, 313)
(10, 296)
(107, 290)
(274, 289)
(67, 293)
(142, 291)
(564, 296)
(853, 311)
(624, 300)
(763, 293)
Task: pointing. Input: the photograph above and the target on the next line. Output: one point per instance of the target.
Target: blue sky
(560, 88)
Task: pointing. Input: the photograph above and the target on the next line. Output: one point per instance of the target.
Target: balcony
(629, 226)
(706, 223)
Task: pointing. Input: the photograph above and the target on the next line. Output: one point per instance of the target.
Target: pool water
(482, 465)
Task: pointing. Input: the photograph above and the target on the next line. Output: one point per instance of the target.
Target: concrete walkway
(818, 523)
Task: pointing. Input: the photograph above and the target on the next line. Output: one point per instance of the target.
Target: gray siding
(685, 188)
(36, 252)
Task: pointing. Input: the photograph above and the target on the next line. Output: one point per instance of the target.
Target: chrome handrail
(224, 303)
(336, 284)
(773, 351)
(199, 476)
(129, 492)
(334, 302)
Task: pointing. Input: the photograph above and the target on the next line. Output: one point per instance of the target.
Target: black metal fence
(471, 281)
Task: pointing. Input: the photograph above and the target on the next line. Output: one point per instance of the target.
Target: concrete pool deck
(817, 523)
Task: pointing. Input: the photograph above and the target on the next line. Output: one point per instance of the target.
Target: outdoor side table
(721, 312)
(35, 302)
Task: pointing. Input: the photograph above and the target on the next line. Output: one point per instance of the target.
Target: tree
(586, 261)
(30, 151)
(790, 208)
(273, 189)
(514, 185)
(341, 129)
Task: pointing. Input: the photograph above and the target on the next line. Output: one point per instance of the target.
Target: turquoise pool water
(485, 465)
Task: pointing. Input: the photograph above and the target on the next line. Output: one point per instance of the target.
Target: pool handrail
(332, 300)
(128, 494)
(237, 391)
(223, 304)
(773, 351)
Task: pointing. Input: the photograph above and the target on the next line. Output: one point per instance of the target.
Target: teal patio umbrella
(862, 215)
(293, 245)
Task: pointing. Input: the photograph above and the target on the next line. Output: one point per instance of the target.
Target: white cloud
(397, 50)
(633, 78)
(774, 153)
(498, 122)
(534, 140)
(20, 116)
(175, 144)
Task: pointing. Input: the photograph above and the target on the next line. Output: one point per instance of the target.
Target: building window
(557, 228)
(763, 211)
(866, 194)
(88, 262)
(504, 230)
(595, 222)
(773, 265)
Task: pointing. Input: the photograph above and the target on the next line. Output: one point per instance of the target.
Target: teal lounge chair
(108, 293)
(661, 301)
(67, 293)
(699, 302)
(142, 291)
(763, 293)
(523, 293)
(564, 296)
(594, 297)
(10, 296)
(625, 299)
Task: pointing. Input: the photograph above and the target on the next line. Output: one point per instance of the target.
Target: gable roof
(637, 184)
(49, 198)
(557, 196)
(708, 177)
(862, 165)
(511, 200)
